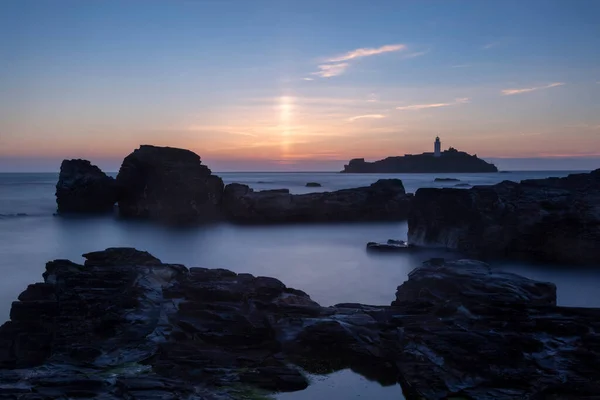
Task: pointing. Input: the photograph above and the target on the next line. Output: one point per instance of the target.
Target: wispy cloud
(308, 79)
(369, 116)
(488, 46)
(510, 92)
(417, 107)
(366, 52)
(416, 54)
(329, 70)
(335, 66)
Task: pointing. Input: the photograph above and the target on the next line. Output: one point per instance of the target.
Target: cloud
(417, 107)
(510, 92)
(416, 54)
(366, 52)
(370, 116)
(490, 45)
(329, 70)
(308, 79)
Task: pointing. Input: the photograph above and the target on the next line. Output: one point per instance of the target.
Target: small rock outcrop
(385, 199)
(313, 184)
(125, 325)
(550, 220)
(84, 188)
(168, 184)
(446, 180)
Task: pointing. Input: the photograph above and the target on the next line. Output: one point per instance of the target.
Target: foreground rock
(168, 184)
(125, 325)
(550, 220)
(84, 188)
(385, 199)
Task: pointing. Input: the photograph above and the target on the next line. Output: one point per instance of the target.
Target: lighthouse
(437, 147)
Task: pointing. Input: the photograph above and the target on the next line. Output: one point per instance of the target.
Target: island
(450, 160)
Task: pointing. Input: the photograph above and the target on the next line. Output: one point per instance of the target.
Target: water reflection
(342, 385)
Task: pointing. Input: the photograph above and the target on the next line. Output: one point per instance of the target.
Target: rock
(125, 325)
(313, 184)
(553, 220)
(84, 188)
(386, 199)
(168, 184)
(466, 282)
(390, 245)
(446, 180)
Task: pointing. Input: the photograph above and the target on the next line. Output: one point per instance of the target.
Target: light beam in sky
(285, 120)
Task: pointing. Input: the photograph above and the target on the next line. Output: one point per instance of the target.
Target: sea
(327, 261)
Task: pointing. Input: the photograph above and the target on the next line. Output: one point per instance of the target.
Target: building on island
(437, 147)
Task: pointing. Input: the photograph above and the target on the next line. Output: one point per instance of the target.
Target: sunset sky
(299, 85)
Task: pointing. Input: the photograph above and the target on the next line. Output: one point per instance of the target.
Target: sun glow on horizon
(286, 105)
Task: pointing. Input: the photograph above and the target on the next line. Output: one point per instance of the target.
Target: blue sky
(278, 85)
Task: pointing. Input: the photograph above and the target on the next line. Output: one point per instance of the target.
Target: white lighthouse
(437, 147)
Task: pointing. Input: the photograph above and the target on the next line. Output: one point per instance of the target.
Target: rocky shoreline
(553, 220)
(126, 326)
(173, 186)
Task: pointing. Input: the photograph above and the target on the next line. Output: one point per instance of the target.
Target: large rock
(126, 325)
(168, 184)
(385, 199)
(550, 220)
(84, 188)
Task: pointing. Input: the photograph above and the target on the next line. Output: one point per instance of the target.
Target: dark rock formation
(383, 200)
(550, 220)
(450, 160)
(462, 185)
(390, 246)
(446, 180)
(168, 184)
(84, 188)
(313, 184)
(125, 325)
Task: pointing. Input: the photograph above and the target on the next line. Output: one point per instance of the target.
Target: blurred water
(329, 262)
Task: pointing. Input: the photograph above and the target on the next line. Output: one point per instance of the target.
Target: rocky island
(125, 325)
(450, 160)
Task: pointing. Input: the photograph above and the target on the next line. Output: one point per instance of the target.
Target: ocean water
(327, 261)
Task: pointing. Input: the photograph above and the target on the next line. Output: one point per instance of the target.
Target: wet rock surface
(84, 188)
(125, 325)
(168, 184)
(550, 220)
(385, 199)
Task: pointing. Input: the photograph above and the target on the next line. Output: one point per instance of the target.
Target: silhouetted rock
(446, 180)
(313, 184)
(84, 188)
(552, 220)
(462, 185)
(125, 325)
(386, 199)
(168, 184)
(450, 160)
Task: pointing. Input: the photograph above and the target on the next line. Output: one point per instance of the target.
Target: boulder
(313, 184)
(385, 199)
(126, 325)
(168, 184)
(550, 220)
(84, 188)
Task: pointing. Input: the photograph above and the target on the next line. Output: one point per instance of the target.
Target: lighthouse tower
(437, 147)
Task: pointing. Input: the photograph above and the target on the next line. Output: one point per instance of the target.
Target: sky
(299, 85)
